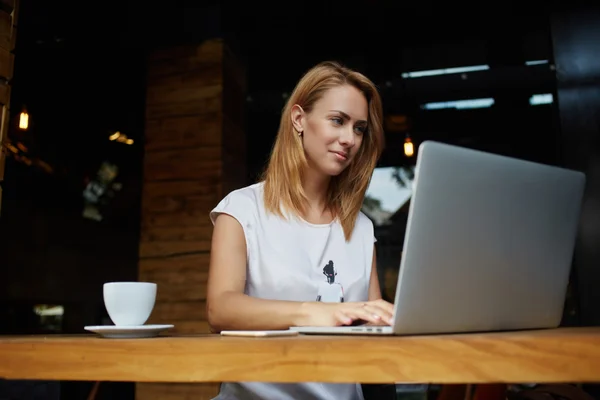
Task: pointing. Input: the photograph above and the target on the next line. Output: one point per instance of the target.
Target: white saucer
(128, 332)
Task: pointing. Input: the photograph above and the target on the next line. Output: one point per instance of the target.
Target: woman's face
(333, 131)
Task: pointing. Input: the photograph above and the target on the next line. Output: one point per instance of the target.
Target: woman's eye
(337, 121)
(361, 129)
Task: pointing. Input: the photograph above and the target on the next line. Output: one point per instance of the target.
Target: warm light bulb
(24, 121)
(408, 148)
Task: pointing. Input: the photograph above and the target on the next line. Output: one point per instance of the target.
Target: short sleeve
(236, 204)
(365, 225)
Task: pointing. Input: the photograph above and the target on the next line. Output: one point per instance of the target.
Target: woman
(294, 249)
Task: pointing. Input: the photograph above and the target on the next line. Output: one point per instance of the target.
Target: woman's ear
(298, 116)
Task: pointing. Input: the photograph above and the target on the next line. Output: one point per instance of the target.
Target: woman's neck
(316, 187)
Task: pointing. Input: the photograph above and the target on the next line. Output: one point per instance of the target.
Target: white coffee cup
(129, 303)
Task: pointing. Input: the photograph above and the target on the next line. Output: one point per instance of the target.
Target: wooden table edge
(544, 356)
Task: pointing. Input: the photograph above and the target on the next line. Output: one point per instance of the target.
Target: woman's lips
(340, 155)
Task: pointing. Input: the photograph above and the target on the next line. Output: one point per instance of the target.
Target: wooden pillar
(8, 32)
(194, 155)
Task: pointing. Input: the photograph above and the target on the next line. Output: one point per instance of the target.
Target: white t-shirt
(292, 259)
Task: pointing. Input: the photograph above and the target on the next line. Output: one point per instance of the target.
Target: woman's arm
(374, 288)
(375, 292)
(227, 305)
(228, 308)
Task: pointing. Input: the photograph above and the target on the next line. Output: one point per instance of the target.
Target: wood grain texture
(182, 174)
(188, 100)
(6, 64)
(561, 355)
(183, 132)
(11, 7)
(8, 31)
(2, 163)
(176, 264)
(5, 90)
(4, 122)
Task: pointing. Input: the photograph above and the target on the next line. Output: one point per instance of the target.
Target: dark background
(80, 72)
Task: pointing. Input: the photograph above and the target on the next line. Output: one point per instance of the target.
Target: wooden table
(560, 355)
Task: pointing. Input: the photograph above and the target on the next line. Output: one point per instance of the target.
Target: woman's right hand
(377, 312)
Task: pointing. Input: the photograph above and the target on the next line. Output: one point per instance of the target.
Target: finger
(370, 309)
(364, 314)
(382, 310)
(382, 313)
(341, 318)
(385, 305)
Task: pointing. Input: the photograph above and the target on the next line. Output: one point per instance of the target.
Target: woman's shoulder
(363, 222)
(251, 193)
(364, 227)
(240, 203)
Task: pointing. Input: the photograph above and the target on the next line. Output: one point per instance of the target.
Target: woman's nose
(347, 137)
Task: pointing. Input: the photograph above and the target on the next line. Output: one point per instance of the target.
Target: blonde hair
(283, 176)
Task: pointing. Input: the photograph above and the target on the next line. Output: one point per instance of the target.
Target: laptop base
(344, 330)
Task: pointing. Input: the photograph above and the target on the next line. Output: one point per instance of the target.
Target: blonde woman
(295, 249)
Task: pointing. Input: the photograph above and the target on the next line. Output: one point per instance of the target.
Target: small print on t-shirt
(330, 291)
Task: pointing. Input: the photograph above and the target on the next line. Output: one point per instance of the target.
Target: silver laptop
(488, 245)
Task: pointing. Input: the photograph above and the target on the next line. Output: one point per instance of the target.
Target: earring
(300, 133)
